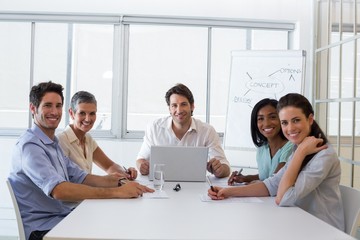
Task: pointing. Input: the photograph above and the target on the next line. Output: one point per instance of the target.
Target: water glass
(159, 176)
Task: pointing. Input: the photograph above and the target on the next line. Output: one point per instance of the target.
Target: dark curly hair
(257, 138)
(38, 91)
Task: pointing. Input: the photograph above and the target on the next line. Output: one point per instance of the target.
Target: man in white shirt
(181, 129)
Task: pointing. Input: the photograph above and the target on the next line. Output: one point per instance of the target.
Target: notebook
(182, 163)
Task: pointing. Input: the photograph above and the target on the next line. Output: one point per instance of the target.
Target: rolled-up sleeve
(215, 148)
(312, 175)
(145, 149)
(36, 165)
(76, 174)
(48, 167)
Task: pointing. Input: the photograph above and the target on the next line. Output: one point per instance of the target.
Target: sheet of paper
(221, 182)
(157, 194)
(205, 198)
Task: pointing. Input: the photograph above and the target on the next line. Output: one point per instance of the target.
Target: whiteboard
(256, 75)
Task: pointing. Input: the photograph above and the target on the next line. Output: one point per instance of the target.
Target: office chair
(17, 211)
(351, 204)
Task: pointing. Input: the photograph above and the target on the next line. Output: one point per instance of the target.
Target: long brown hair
(299, 101)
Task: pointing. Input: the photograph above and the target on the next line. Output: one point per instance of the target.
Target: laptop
(182, 163)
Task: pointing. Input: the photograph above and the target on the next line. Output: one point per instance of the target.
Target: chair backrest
(17, 212)
(351, 204)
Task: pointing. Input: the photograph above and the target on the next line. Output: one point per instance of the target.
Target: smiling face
(295, 125)
(48, 115)
(180, 110)
(84, 117)
(268, 122)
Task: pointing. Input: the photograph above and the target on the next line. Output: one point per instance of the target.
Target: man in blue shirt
(48, 185)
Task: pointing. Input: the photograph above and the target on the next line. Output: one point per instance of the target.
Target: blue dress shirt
(38, 165)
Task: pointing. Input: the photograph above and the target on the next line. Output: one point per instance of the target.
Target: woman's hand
(219, 193)
(311, 145)
(236, 177)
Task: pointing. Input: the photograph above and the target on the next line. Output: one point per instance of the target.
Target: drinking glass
(159, 176)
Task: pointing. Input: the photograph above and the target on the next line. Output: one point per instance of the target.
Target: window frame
(329, 18)
(121, 24)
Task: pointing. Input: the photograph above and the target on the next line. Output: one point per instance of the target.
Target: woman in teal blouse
(273, 149)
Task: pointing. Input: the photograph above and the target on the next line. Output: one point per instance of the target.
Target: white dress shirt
(199, 134)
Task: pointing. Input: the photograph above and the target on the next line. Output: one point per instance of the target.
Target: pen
(233, 175)
(128, 172)
(209, 182)
(231, 178)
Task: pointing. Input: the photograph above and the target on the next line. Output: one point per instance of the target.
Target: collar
(70, 134)
(191, 128)
(41, 135)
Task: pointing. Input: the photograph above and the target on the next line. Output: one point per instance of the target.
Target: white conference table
(183, 215)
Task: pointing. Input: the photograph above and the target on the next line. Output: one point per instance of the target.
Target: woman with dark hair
(311, 177)
(273, 149)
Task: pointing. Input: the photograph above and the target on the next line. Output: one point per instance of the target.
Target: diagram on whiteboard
(256, 75)
(273, 84)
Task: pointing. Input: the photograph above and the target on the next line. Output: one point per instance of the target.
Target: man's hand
(133, 190)
(143, 166)
(215, 167)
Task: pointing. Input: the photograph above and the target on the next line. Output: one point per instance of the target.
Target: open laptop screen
(182, 163)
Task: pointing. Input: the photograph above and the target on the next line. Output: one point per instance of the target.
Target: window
(50, 55)
(337, 93)
(127, 62)
(224, 40)
(92, 67)
(160, 57)
(15, 48)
